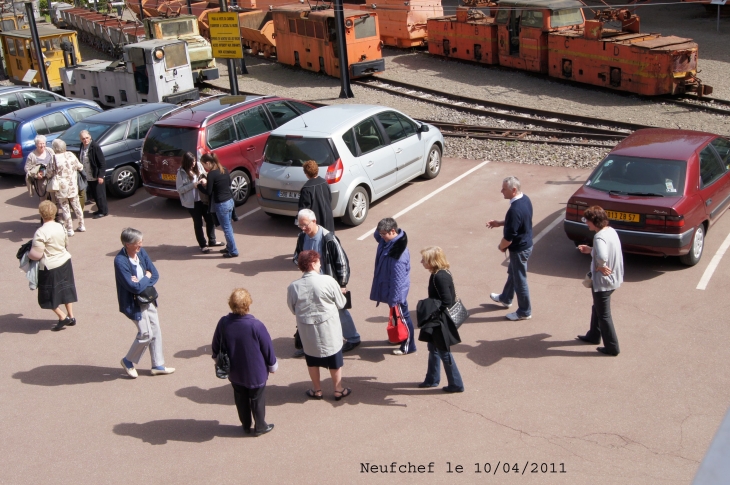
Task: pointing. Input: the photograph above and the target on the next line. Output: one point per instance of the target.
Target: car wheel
(357, 207)
(695, 250)
(240, 186)
(125, 181)
(433, 163)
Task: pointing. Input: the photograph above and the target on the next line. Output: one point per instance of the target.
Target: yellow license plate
(622, 216)
(2, 152)
(169, 176)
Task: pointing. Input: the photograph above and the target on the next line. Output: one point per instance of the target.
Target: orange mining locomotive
(306, 37)
(552, 37)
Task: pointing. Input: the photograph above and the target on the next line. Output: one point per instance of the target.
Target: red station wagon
(662, 190)
(234, 127)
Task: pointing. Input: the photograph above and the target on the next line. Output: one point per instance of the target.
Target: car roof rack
(191, 103)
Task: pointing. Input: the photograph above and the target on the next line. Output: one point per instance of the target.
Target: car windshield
(171, 140)
(639, 176)
(96, 130)
(7, 131)
(282, 150)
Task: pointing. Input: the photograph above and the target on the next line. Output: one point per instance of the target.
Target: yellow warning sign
(225, 35)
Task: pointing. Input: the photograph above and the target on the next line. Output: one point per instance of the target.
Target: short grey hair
(40, 138)
(513, 183)
(84, 132)
(58, 145)
(388, 224)
(307, 214)
(131, 236)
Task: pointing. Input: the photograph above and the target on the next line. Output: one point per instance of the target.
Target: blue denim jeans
(224, 210)
(349, 332)
(408, 346)
(517, 282)
(433, 374)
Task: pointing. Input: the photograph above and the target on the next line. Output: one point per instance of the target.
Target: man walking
(92, 158)
(517, 239)
(334, 263)
(392, 278)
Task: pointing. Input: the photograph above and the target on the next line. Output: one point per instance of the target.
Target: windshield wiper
(616, 192)
(647, 194)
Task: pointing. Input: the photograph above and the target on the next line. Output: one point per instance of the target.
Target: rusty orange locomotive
(553, 37)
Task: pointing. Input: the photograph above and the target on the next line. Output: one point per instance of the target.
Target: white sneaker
(131, 371)
(495, 298)
(162, 372)
(515, 317)
(70, 232)
(81, 228)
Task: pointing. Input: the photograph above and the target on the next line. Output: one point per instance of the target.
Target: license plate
(2, 152)
(285, 194)
(168, 176)
(623, 216)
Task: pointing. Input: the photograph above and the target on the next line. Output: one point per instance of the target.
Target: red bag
(397, 330)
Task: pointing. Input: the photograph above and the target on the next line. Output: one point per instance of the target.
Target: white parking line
(548, 229)
(705, 280)
(143, 201)
(249, 213)
(424, 199)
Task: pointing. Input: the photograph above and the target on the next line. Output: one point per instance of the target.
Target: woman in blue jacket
(134, 272)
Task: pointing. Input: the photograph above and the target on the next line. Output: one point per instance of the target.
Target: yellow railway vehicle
(19, 53)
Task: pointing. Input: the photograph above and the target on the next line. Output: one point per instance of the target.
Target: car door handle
(250, 149)
(370, 164)
(708, 202)
(138, 149)
(399, 150)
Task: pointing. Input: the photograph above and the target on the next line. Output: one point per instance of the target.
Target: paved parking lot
(533, 394)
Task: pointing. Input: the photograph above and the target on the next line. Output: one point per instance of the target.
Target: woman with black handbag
(437, 327)
(135, 277)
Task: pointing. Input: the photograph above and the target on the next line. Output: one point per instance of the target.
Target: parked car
(120, 133)
(662, 190)
(19, 129)
(234, 127)
(364, 152)
(13, 98)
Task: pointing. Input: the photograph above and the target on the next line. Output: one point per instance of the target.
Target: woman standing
(65, 168)
(189, 176)
(316, 196)
(56, 284)
(439, 331)
(607, 274)
(251, 353)
(35, 167)
(218, 187)
(315, 299)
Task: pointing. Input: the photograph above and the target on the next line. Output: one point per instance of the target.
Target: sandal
(315, 394)
(343, 393)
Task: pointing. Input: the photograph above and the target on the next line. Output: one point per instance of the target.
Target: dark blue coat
(126, 288)
(392, 278)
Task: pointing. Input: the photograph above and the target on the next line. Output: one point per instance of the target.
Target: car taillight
(257, 171)
(334, 172)
(202, 149)
(664, 221)
(574, 212)
(17, 151)
(675, 221)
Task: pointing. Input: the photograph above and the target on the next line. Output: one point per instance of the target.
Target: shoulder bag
(53, 184)
(456, 312)
(588, 280)
(222, 361)
(147, 296)
(81, 180)
(397, 330)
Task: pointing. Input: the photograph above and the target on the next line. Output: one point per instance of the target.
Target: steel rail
(482, 136)
(448, 126)
(699, 103)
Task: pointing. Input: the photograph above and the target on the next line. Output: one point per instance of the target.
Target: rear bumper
(191, 95)
(14, 166)
(161, 191)
(205, 75)
(366, 68)
(635, 241)
(277, 207)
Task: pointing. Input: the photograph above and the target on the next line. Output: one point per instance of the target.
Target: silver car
(363, 152)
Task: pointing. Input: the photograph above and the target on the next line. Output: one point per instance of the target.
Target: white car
(363, 152)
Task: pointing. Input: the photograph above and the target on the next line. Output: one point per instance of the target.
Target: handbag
(147, 296)
(24, 249)
(298, 341)
(456, 312)
(397, 330)
(53, 184)
(81, 180)
(222, 361)
(588, 280)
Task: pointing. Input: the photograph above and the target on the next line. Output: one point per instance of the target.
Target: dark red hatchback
(234, 127)
(662, 189)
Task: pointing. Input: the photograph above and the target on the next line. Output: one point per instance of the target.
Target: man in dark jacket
(334, 263)
(316, 196)
(92, 158)
(392, 278)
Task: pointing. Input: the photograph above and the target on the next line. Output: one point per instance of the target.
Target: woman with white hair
(64, 168)
(35, 167)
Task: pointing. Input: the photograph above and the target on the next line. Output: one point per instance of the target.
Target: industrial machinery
(552, 37)
(152, 71)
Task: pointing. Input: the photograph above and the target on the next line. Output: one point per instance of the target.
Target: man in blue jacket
(392, 278)
(517, 238)
(134, 272)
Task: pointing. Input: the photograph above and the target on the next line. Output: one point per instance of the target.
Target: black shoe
(605, 351)
(349, 346)
(71, 322)
(229, 255)
(215, 244)
(298, 353)
(453, 389)
(247, 430)
(99, 216)
(426, 384)
(60, 324)
(223, 251)
(256, 434)
(585, 339)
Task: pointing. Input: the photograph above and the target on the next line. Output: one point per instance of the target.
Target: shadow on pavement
(17, 231)
(12, 323)
(188, 430)
(191, 354)
(254, 267)
(68, 375)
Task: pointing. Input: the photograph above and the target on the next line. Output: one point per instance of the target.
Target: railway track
(704, 103)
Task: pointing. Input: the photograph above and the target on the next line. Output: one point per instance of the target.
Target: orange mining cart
(306, 37)
(470, 35)
(403, 24)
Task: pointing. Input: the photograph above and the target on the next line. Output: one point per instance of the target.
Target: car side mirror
(423, 128)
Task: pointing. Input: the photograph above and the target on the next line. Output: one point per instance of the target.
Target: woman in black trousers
(188, 179)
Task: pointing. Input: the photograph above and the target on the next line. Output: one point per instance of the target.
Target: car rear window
(639, 176)
(171, 140)
(295, 151)
(7, 131)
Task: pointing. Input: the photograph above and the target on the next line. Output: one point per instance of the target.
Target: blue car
(19, 129)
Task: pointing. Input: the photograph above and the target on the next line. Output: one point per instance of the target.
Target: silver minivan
(363, 152)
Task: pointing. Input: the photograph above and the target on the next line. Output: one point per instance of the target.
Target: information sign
(29, 75)
(225, 35)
